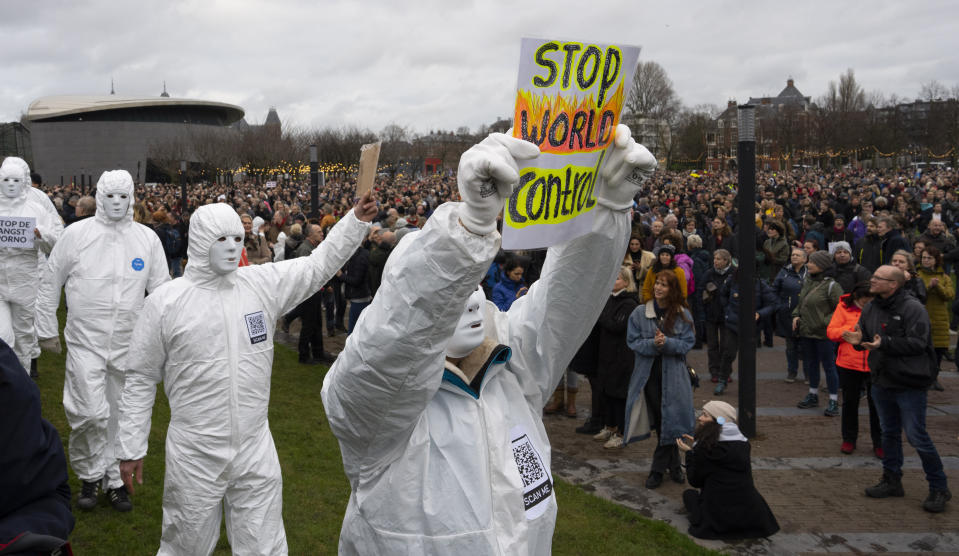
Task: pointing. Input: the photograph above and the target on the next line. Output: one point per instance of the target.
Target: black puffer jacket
(711, 291)
(905, 357)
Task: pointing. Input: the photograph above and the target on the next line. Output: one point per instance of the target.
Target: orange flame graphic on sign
(560, 125)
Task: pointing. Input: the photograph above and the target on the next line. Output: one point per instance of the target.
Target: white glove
(628, 164)
(486, 177)
(50, 344)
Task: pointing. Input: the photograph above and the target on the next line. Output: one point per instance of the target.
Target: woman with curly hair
(660, 395)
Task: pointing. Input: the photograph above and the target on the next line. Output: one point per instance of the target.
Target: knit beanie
(821, 259)
(720, 409)
(837, 245)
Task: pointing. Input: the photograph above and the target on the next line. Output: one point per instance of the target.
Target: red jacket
(845, 318)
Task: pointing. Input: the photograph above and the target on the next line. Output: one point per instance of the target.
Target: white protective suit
(209, 338)
(106, 265)
(439, 464)
(19, 270)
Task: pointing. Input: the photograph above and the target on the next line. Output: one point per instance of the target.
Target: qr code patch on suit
(256, 326)
(527, 461)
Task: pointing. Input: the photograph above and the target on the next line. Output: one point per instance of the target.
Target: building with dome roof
(73, 136)
(782, 123)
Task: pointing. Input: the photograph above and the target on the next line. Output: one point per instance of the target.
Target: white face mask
(225, 254)
(116, 205)
(469, 331)
(11, 184)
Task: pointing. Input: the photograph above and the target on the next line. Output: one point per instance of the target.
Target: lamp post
(182, 186)
(314, 184)
(746, 275)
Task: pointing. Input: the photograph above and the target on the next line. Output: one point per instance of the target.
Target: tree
(652, 109)
(652, 94)
(841, 114)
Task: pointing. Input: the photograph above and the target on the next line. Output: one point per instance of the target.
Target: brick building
(782, 127)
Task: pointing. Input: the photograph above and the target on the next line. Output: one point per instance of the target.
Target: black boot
(889, 485)
(34, 373)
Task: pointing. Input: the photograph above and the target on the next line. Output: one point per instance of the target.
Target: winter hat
(821, 259)
(720, 410)
(665, 247)
(837, 245)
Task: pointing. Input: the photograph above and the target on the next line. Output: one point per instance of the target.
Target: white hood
(114, 182)
(16, 167)
(207, 224)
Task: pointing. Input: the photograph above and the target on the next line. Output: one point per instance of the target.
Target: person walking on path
(895, 329)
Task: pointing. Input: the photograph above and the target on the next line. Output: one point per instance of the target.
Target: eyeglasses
(881, 278)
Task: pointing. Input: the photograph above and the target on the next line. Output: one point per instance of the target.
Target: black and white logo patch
(256, 326)
(537, 482)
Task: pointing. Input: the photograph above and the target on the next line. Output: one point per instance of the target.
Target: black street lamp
(746, 275)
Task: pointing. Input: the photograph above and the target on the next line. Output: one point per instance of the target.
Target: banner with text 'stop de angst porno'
(569, 98)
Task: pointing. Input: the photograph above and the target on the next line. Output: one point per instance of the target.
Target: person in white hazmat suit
(19, 267)
(208, 336)
(107, 263)
(436, 400)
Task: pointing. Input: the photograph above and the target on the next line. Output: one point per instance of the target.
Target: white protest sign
(569, 97)
(270, 184)
(17, 231)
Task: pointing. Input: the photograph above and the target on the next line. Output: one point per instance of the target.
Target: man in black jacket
(895, 328)
(891, 239)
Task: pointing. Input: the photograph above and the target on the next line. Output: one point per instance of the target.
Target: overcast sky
(440, 64)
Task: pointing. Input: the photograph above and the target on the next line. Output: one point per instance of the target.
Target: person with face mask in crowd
(208, 336)
(106, 262)
(19, 266)
(436, 398)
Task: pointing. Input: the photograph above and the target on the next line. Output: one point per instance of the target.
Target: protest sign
(17, 231)
(270, 184)
(369, 157)
(569, 98)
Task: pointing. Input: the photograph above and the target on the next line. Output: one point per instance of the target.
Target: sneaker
(936, 501)
(87, 500)
(603, 435)
(119, 499)
(888, 485)
(677, 475)
(790, 379)
(847, 447)
(832, 409)
(810, 401)
(720, 388)
(615, 442)
(654, 480)
(879, 453)
(590, 427)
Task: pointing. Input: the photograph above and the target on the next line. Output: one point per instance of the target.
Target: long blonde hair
(626, 273)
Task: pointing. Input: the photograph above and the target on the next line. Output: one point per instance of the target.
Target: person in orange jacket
(853, 369)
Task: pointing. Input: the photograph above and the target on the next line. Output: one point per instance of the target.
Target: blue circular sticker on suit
(137, 264)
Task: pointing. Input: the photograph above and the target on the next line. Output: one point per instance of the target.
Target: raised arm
(392, 364)
(546, 326)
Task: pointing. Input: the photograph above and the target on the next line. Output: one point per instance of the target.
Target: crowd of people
(855, 274)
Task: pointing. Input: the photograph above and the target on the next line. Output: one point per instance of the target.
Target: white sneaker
(615, 442)
(603, 435)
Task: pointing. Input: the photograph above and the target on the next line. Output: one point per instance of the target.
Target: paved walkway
(815, 491)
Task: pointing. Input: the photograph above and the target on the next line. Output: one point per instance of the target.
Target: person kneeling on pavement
(727, 504)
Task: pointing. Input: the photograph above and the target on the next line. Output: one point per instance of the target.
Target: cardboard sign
(369, 156)
(17, 231)
(569, 98)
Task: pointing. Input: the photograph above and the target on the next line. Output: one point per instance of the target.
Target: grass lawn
(315, 490)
